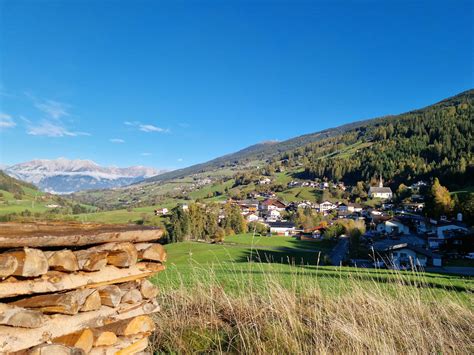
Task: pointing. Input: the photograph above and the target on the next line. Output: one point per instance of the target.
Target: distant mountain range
(62, 176)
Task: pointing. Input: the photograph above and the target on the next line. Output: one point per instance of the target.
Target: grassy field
(284, 256)
(32, 200)
(291, 305)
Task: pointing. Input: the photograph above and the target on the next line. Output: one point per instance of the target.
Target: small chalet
(272, 204)
(393, 226)
(380, 191)
(405, 256)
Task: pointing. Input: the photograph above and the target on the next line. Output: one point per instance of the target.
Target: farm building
(282, 228)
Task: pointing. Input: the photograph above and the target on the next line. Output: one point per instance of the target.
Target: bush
(258, 228)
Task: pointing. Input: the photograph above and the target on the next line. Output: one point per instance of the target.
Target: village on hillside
(394, 232)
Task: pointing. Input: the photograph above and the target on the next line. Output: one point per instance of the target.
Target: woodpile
(77, 289)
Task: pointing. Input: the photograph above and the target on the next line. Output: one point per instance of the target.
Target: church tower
(381, 181)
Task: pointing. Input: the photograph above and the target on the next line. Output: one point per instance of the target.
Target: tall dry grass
(269, 316)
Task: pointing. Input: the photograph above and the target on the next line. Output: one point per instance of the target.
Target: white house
(326, 206)
(393, 226)
(380, 191)
(273, 216)
(404, 255)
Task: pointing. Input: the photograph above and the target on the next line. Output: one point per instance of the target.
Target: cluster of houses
(414, 240)
(319, 185)
(398, 234)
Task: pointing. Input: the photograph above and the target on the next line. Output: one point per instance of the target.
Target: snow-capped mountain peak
(69, 175)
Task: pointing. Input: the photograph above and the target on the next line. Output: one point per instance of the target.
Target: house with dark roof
(405, 255)
(282, 228)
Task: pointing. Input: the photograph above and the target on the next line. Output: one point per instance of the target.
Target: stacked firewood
(78, 292)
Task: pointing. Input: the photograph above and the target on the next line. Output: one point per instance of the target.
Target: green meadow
(244, 260)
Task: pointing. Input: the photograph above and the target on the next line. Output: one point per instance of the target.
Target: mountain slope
(273, 149)
(259, 151)
(66, 176)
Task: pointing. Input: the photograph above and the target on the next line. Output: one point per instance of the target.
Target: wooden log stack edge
(83, 293)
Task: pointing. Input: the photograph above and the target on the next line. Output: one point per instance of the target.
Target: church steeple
(381, 181)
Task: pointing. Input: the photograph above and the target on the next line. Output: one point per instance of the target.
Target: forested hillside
(434, 141)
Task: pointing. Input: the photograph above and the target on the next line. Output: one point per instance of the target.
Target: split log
(151, 251)
(20, 317)
(104, 338)
(132, 296)
(148, 290)
(64, 303)
(31, 262)
(55, 282)
(8, 265)
(13, 235)
(130, 291)
(139, 345)
(110, 295)
(62, 260)
(89, 260)
(119, 254)
(92, 302)
(132, 326)
(83, 339)
(53, 349)
(124, 346)
(16, 339)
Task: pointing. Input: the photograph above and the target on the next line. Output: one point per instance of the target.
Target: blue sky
(170, 84)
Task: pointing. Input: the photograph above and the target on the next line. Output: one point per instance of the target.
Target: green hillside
(19, 199)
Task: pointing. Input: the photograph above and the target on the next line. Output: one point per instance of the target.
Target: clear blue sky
(170, 84)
